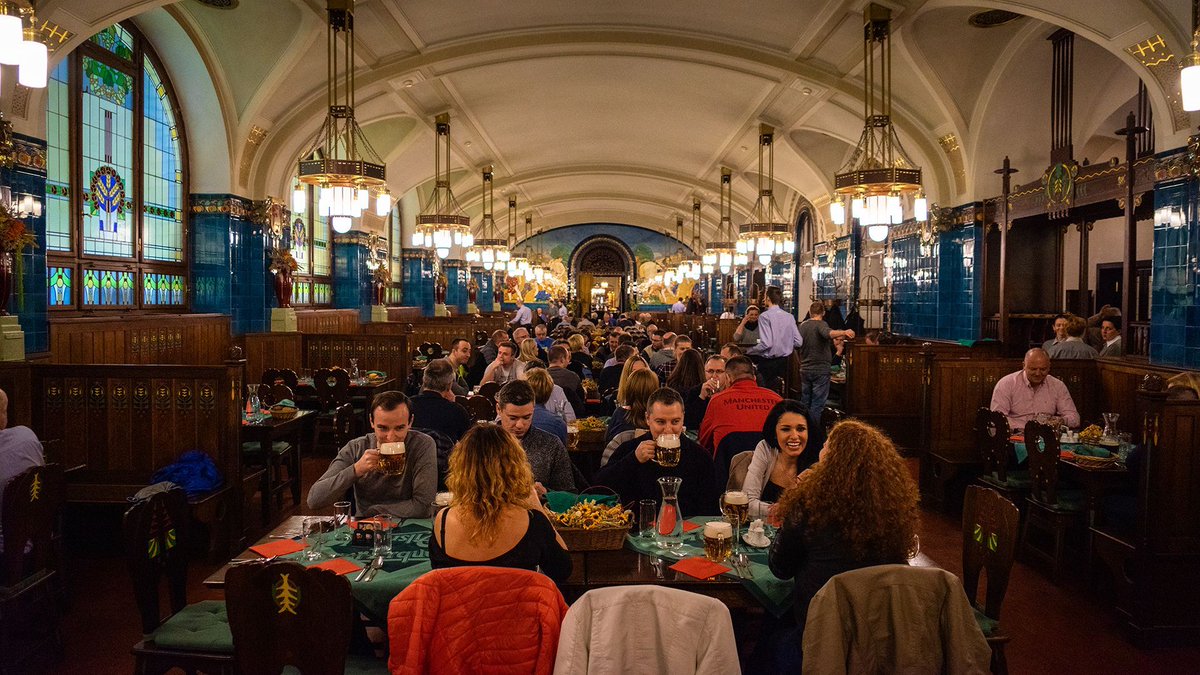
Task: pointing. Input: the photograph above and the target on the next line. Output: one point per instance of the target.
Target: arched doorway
(601, 270)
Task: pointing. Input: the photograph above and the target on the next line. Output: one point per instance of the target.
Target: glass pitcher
(1110, 425)
(668, 529)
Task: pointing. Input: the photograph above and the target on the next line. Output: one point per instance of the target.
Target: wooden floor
(1054, 629)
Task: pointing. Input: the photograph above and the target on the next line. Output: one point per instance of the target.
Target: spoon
(742, 561)
(657, 564)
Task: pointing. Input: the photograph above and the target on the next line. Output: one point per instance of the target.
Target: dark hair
(512, 346)
(739, 366)
(624, 351)
(733, 348)
(1076, 326)
(499, 333)
(1114, 320)
(775, 295)
(665, 396)
(455, 341)
(389, 401)
(625, 338)
(816, 309)
(557, 353)
(657, 333)
(534, 363)
(439, 376)
(1064, 316)
(685, 338)
(688, 371)
(787, 405)
(517, 392)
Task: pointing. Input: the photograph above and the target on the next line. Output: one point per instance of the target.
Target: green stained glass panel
(58, 161)
(162, 177)
(58, 286)
(322, 294)
(116, 40)
(106, 106)
(302, 293)
(320, 261)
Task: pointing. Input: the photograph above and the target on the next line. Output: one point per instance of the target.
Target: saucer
(764, 542)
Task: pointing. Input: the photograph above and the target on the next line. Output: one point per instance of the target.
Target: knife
(378, 563)
(362, 574)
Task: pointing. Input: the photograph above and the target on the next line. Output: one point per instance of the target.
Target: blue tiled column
(418, 281)
(1174, 306)
(456, 286)
(959, 303)
(352, 284)
(229, 262)
(29, 298)
(483, 299)
(914, 288)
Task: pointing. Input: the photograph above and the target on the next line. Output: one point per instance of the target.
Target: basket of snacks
(588, 526)
(1094, 461)
(591, 429)
(284, 410)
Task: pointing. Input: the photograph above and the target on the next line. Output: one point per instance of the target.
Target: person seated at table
(1023, 395)
(653, 343)
(435, 408)
(695, 400)
(528, 351)
(459, 359)
(543, 339)
(545, 452)
(746, 332)
(519, 336)
(356, 466)
(741, 406)
(633, 474)
(506, 368)
(1060, 331)
(630, 420)
(570, 383)
(609, 348)
(666, 355)
(731, 349)
(492, 347)
(20, 450)
(551, 412)
(779, 457)
(610, 377)
(688, 371)
(856, 507)
(632, 365)
(494, 518)
(1073, 347)
(581, 361)
(1110, 331)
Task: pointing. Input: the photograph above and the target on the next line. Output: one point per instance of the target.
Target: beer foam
(736, 497)
(443, 498)
(391, 448)
(668, 441)
(718, 529)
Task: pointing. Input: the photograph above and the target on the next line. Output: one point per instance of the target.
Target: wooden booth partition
(188, 339)
(442, 330)
(272, 350)
(1118, 380)
(404, 314)
(389, 353)
(116, 425)
(725, 329)
(327, 321)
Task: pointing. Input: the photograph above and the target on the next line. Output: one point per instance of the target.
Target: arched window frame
(142, 269)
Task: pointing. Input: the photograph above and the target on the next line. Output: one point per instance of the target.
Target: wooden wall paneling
(328, 321)
(272, 350)
(16, 383)
(162, 412)
(960, 387)
(1118, 380)
(725, 329)
(195, 339)
(403, 314)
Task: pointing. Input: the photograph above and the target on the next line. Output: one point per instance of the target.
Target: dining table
(265, 430)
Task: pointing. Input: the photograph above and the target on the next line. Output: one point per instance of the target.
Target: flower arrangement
(382, 275)
(14, 237)
(282, 261)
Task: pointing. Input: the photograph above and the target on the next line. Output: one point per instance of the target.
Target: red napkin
(700, 568)
(1017, 438)
(377, 522)
(688, 526)
(279, 547)
(339, 565)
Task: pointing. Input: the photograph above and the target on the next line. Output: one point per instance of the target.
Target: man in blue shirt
(778, 336)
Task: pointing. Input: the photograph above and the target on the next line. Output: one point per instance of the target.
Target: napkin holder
(756, 535)
(364, 535)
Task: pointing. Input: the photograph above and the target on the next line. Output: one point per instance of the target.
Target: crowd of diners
(843, 501)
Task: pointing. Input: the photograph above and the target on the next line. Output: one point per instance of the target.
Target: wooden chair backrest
(289, 377)
(1042, 444)
(343, 424)
(489, 389)
(831, 416)
(282, 613)
(269, 376)
(32, 502)
(333, 387)
(156, 536)
(481, 338)
(481, 408)
(990, 524)
(266, 394)
(281, 391)
(991, 433)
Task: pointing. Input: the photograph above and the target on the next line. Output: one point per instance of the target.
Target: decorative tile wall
(229, 262)
(933, 286)
(418, 281)
(1174, 301)
(456, 286)
(352, 285)
(29, 297)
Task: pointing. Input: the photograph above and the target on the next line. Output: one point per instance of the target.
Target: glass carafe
(668, 528)
(1110, 425)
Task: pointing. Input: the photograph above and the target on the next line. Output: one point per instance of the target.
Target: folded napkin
(700, 568)
(688, 526)
(339, 565)
(1017, 438)
(278, 547)
(285, 403)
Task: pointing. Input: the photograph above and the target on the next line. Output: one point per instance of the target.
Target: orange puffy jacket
(476, 619)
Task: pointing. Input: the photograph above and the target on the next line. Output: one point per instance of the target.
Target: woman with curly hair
(494, 517)
(856, 507)
(688, 372)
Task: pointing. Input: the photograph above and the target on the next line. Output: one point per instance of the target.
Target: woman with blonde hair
(632, 365)
(856, 507)
(529, 350)
(630, 421)
(581, 361)
(494, 517)
(551, 411)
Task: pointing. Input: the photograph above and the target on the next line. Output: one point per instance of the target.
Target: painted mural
(553, 286)
(650, 250)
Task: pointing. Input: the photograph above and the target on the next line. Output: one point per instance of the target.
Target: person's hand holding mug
(367, 463)
(645, 451)
(711, 386)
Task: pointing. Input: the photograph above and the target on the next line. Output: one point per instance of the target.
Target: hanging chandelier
(20, 45)
(442, 224)
(879, 174)
(723, 254)
(690, 267)
(341, 164)
(1189, 66)
(536, 271)
(518, 265)
(766, 234)
(487, 249)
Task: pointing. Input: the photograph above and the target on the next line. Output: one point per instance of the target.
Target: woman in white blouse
(779, 457)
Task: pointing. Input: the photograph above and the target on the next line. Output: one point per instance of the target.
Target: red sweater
(741, 407)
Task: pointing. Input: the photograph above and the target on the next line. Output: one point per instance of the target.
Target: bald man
(19, 450)
(1023, 395)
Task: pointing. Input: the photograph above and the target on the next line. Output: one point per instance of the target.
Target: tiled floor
(1054, 629)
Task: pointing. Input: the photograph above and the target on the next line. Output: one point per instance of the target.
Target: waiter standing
(778, 336)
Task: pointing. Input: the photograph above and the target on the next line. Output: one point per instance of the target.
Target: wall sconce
(21, 205)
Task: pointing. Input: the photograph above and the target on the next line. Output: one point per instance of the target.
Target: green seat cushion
(202, 627)
(1017, 480)
(278, 448)
(1068, 501)
(986, 624)
(366, 665)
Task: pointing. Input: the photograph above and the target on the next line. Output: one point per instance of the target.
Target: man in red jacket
(742, 406)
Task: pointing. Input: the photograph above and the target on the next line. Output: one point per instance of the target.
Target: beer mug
(736, 506)
(392, 458)
(666, 450)
(718, 540)
(572, 436)
(442, 499)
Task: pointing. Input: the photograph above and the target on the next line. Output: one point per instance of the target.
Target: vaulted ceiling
(621, 111)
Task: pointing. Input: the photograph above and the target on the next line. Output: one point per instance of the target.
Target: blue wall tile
(29, 298)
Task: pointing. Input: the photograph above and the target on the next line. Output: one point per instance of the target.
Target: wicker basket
(608, 539)
(283, 414)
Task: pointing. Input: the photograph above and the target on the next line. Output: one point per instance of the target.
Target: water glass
(647, 509)
(315, 528)
(342, 520)
(383, 535)
(1126, 447)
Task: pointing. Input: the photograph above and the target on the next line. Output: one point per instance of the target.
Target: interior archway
(605, 264)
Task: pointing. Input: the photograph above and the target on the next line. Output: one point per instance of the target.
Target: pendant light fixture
(487, 248)
(518, 265)
(443, 224)
(1189, 66)
(766, 234)
(720, 254)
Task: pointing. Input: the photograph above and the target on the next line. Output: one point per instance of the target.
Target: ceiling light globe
(878, 233)
(34, 64)
(10, 40)
(1189, 82)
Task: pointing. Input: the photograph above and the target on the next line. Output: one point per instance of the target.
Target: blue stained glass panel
(162, 289)
(116, 40)
(162, 177)
(302, 293)
(106, 106)
(58, 161)
(107, 288)
(322, 294)
(58, 286)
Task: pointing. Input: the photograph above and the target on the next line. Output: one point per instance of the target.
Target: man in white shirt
(562, 310)
(678, 307)
(523, 316)
(506, 367)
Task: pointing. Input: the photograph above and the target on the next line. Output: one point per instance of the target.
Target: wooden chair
(269, 376)
(733, 443)
(489, 390)
(481, 408)
(288, 376)
(432, 350)
(991, 437)
(1049, 510)
(32, 590)
(333, 391)
(193, 637)
(990, 526)
(738, 467)
(481, 338)
(343, 425)
(284, 614)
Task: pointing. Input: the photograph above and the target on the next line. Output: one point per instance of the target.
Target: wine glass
(354, 369)
(252, 402)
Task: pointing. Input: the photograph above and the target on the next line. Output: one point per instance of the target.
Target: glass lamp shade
(706, 269)
(472, 256)
(487, 266)
(362, 199)
(417, 239)
(877, 232)
(1189, 82)
(299, 199)
(857, 207)
(341, 224)
(34, 64)
(764, 259)
(383, 204)
(921, 208)
(468, 240)
(11, 36)
(741, 259)
(837, 212)
(427, 240)
(443, 253)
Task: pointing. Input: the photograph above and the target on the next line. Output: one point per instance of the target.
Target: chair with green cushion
(990, 525)
(333, 391)
(1050, 509)
(284, 614)
(991, 437)
(193, 637)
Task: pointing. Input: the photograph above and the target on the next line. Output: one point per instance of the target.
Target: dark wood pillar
(1006, 173)
(1081, 308)
(1129, 274)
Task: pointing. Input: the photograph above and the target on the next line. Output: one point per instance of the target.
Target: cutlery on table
(742, 562)
(362, 575)
(378, 563)
(657, 563)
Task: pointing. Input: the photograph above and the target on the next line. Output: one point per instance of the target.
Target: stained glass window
(116, 40)
(107, 288)
(396, 245)
(320, 255)
(107, 112)
(58, 162)
(162, 289)
(58, 286)
(322, 294)
(162, 175)
(300, 237)
(302, 293)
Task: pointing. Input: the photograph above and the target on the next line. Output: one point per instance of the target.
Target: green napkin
(286, 403)
(558, 501)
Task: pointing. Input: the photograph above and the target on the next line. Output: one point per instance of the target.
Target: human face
(520, 334)
(540, 330)
(614, 341)
(461, 353)
(390, 426)
(1060, 328)
(1037, 367)
(752, 315)
(791, 433)
(1108, 331)
(516, 419)
(665, 419)
(656, 342)
(726, 354)
(682, 345)
(505, 356)
(714, 369)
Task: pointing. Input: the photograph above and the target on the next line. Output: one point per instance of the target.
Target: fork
(657, 563)
(742, 562)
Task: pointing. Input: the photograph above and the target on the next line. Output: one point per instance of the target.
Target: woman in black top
(688, 372)
(856, 507)
(494, 518)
